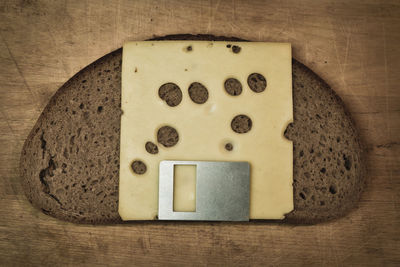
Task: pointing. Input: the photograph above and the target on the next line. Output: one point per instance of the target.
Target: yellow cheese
(205, 129)
(184, 188)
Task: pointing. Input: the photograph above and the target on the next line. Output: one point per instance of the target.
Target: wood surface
(353, 45)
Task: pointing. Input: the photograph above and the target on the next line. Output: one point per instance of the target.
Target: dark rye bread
(70, 160)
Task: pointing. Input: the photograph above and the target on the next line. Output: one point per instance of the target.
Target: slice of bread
(70, 160)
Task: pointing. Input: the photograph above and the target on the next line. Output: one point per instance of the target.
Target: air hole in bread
(347, 162)
(241, 124)
(198, 93)
(333, 189)
(63, 167)
(257, 82)
(170, 93)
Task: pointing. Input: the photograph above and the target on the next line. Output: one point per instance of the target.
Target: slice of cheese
(204, 129)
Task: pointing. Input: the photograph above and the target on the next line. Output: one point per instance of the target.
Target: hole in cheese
(167, 136)
(170, 93)
(257, 82)
(151, 147)
(198, 93)
(138, 167)
(229, 146)
(241, 124)
(233, 87)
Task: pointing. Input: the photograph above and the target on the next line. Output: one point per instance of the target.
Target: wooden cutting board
(353, 45)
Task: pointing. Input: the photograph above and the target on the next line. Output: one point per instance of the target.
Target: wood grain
(353, 45)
